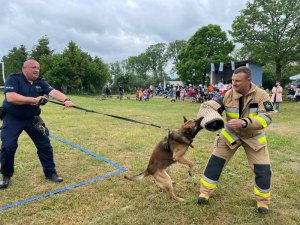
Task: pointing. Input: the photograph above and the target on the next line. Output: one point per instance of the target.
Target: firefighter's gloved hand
(43, 100)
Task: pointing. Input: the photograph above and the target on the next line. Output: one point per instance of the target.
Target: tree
(139, 65)
(75, 71)
(208, 45)
(173, 51)
(157, 59)
(270, 32)
(54, 68)
(96, 75)
(42, 49)
(14, 60)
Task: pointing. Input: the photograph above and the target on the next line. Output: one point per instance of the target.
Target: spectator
(297, 95)
(182, 94)
(220, 85)
(276, 96)
(291, 93)
(107, 91)
(121, 92)
(141, 95)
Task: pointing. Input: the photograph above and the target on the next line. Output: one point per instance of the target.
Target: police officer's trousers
(12, 127)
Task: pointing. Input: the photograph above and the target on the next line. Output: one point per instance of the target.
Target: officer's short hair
(243, 69)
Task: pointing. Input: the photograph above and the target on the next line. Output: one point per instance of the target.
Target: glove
(43, 100)
(40, 126)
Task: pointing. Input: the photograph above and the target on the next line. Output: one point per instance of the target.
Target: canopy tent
(296, 77)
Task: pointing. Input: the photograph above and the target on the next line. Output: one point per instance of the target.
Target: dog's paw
(179, 199)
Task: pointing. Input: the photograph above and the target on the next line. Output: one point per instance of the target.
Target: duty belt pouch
(40, 126)
(2, 112)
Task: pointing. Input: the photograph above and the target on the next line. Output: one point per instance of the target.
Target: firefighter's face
(241, 82)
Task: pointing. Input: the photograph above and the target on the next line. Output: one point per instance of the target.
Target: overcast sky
(110, 29)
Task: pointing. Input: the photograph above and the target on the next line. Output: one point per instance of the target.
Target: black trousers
(11, 129)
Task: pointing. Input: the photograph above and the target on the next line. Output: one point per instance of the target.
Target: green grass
(117, 201)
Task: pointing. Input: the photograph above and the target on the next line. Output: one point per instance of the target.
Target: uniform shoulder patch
(268, 106)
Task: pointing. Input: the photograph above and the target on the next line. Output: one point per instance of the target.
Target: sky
(110, 29)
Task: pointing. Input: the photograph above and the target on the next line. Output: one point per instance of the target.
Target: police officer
(24, 92)
(248, 111)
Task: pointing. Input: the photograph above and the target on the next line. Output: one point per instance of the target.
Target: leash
(105, 114)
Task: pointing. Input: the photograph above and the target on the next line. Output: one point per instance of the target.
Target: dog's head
(190, 128)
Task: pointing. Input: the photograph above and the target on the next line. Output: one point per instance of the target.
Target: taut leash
(105, 114)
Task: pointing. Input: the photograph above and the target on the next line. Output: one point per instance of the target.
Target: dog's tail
(137, 177)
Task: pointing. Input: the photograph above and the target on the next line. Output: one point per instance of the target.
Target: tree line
(73, 70)
(269, 31)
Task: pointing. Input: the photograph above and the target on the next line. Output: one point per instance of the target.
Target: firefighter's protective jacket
(255, 109)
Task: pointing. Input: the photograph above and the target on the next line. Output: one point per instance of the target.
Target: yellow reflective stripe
(252, 114)
(232, 112)
(207, 184)
(262, 121)
(262, 139)
(263, 195)
(227, 136)
(232, 115)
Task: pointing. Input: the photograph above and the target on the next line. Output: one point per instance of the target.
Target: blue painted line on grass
(121, 170)
(87, 152)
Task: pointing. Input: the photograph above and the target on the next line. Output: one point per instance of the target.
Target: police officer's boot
(55, 178)
(4, 183)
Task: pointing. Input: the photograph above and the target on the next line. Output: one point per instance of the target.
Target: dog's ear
(185, 119)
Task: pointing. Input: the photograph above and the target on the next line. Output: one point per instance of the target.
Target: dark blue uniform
(20, 117)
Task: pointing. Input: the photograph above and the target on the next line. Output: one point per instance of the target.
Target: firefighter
(248, 111)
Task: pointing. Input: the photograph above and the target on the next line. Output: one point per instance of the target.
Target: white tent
(296, 77)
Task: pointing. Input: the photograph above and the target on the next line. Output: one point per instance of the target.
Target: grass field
(115, 200)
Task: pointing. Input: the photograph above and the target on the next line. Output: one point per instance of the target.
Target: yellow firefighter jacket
(257, 112)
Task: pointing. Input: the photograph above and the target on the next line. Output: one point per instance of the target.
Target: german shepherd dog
(168, 151)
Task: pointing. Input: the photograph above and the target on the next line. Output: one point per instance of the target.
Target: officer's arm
(17, 99)
(61, 97)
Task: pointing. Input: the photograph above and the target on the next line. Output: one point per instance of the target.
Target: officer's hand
(68, 103)
(43, 100)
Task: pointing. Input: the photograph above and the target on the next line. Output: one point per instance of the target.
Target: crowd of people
(194, 93)
(202, 92)
(293, 92)
(143, 94)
